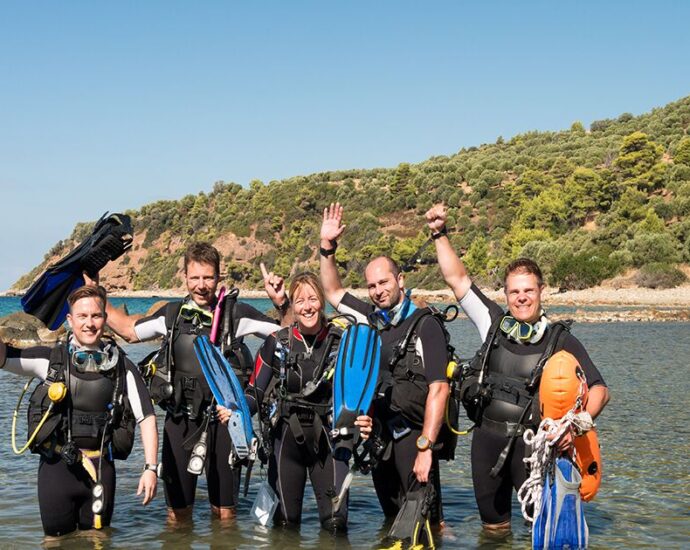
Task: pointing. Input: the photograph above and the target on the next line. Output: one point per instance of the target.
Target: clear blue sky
(109, 106)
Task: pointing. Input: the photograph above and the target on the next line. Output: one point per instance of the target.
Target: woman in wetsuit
(291, 388)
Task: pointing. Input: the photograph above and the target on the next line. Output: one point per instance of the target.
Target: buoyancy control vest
(303, 376)
(500, 386)
(302, 391)
(410, 388)
(96, 410)
(177, 383)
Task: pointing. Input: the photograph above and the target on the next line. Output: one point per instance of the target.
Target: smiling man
(186, 396)
(515, 341)
(413, 388)
(85, 379)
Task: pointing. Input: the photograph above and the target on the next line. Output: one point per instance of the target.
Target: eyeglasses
(198, 316)
(518, 330)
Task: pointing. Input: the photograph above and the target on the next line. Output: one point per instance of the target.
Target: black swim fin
(411, 528)
(46, 299)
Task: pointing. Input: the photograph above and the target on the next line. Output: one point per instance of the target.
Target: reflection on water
(643, 501)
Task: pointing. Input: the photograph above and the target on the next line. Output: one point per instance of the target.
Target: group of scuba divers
(82, 415)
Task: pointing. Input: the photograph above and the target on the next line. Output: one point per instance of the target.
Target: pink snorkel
(216, 316)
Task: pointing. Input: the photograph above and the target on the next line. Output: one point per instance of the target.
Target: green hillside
(584, 203)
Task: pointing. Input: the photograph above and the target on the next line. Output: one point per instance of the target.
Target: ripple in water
(643, 501)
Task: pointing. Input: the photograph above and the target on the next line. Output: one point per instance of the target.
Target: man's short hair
(392, 264)
(82, 292)
(524, 265)
(202, 253)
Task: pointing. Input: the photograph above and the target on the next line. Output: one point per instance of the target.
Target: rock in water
(22, 330)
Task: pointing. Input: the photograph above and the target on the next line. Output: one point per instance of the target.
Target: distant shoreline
(678, 297)
(629, 304)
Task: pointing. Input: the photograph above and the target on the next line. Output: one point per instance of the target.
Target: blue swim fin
(354, 381)
(560, 521)
(227, 390)
(46, 299)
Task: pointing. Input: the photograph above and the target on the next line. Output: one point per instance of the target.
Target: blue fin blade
(47, 297)
(560, 523)
(227, 390)
(356, 373)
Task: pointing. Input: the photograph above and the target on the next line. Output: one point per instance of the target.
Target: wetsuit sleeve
(262, 375)
(481, 310)
(153, 326)
(592, 374)
(354, 306)
(249, 320)
(28, 362)
(431, 347)
(136, 391)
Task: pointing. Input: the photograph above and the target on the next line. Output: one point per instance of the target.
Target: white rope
(544, 452)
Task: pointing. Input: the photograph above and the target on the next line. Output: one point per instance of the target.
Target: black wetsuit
(64, 492)
(494, 494)
(393, 476)
(300, 437)
(183, 426)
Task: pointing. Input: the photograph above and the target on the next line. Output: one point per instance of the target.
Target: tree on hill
(639, 163)
(608, 194)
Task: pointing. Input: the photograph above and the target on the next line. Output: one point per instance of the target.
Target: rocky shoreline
(605, 295)
(603, 304)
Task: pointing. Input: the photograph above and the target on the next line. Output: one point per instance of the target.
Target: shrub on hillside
(659, 275)
(545, 253)
(583, 270)
(653, 247)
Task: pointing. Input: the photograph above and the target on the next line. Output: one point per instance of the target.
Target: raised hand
(88, 281)
(436, 217)
(274, 285)
(332, 226)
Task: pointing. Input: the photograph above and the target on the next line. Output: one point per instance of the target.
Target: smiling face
(87, 321)
(386, 289)
(307, 308)
(523, 293)
(201, 279)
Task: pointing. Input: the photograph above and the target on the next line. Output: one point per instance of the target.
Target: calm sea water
(643, 502)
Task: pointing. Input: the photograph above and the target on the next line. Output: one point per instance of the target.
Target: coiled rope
(544, 451)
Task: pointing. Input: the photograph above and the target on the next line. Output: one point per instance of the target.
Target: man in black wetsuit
(78, 439)
(188, 411)
(519, 339)
(413, 388)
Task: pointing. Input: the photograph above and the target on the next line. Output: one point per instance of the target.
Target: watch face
(422, 443)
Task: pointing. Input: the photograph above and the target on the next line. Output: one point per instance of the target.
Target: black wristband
(284, 306)
(442, 232)
(326, 252)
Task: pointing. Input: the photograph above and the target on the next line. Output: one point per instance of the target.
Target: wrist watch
(153, 467)
(424, 443)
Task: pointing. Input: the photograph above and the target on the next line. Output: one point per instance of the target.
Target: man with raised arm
(187, 397)
(515, 342)
(413, 386)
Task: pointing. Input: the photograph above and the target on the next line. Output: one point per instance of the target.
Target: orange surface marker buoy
(562, 382)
